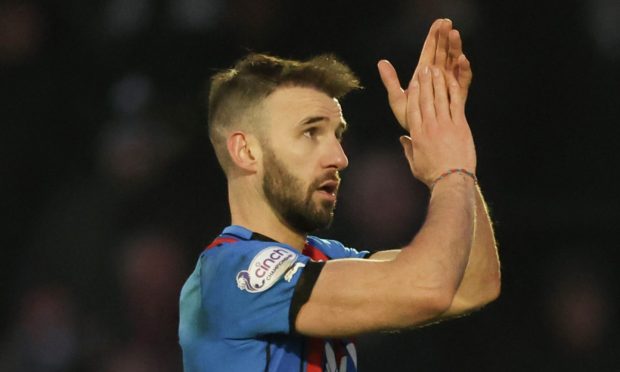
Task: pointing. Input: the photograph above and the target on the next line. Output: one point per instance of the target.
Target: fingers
(457, 102)
(427, 57)
(427, 101)
(441, 53)
(389, 78)
(458, 67)
(438, 99)
(442, 49)
(396, 96)
(451, 76)
(414, 114)
(442, 102)
(465, 73)
(455, 48)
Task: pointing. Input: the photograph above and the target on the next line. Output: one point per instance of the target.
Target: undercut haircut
(235, 92)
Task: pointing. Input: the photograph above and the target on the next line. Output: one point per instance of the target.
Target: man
(266, 296)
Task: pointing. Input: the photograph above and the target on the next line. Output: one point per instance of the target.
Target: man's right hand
(441, 136)
(433, 110)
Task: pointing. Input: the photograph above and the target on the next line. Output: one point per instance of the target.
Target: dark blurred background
(110, 188)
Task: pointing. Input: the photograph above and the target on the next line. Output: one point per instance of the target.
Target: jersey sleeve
(336, 250)
(254, 288)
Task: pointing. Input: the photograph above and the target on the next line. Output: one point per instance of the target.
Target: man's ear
(243, 150)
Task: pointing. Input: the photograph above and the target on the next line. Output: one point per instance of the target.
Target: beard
(286, 195)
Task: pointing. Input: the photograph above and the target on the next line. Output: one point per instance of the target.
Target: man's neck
(279, 233)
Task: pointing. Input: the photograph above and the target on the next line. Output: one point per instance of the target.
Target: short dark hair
(235, 91)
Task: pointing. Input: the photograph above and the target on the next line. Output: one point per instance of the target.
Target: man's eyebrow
(315, 119)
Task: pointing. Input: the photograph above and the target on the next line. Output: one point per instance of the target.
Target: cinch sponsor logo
(265, 269)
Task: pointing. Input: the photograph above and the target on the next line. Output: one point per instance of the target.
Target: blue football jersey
(238, 307)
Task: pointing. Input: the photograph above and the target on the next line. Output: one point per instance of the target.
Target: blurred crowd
(110, 189)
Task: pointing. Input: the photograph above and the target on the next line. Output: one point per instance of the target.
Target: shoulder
(243, 250)
(255, 265)
(335, 249)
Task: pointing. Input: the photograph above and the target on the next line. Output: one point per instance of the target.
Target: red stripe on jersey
(314, 253)
(221, 240)
(315, 347)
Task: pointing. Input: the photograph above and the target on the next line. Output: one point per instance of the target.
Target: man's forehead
(300, 102)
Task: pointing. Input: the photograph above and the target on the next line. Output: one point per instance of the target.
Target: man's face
(302, 156)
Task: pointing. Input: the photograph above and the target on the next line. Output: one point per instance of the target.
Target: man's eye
(310, 132)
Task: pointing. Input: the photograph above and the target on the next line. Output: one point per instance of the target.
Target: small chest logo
(265, 269)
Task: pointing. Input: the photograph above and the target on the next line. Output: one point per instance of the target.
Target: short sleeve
(247, 288)
(336, 250)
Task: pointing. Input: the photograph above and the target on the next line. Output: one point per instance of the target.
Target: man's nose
(336, 157)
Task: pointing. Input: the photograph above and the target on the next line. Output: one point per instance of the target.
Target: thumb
(405, 141)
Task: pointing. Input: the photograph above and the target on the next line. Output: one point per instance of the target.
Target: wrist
(461, 172)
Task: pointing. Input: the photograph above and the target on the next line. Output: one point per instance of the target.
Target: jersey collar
(245, 234)
(238, 231)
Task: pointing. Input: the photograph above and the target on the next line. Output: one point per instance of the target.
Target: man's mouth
(329, 187)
